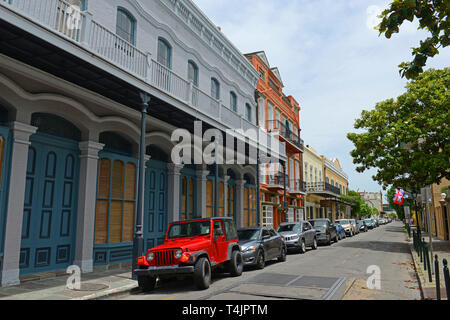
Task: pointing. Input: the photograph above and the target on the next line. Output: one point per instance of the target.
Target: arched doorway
(51, 193)
(156, 189)
(115, 200)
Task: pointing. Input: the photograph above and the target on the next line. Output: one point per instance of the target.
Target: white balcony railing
(79, 27)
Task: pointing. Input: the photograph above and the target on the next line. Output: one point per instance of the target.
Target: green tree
(366, 210)
(432, 16)
(407, 139)
(355, 199)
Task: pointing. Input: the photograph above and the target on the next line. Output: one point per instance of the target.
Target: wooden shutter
(102, 206)
(221, 199)
(246, 206)
(129, 203)
(209, 198)
(117, 180)
(191, 196)
(183, 198)
(130, 181)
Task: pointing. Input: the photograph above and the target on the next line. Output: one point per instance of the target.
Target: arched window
(193, 72)
(164, 53)
(126, 25)
(248, 112)
(233, 101)
(215, 89)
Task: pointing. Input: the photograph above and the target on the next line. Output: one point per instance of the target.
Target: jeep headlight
(178, 254)
(150, 256)
(249, 249)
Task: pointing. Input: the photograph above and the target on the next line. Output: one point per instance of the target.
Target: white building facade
(72, 77)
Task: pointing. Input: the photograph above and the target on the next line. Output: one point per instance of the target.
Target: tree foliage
(432, 16)
(355, 199)
(407, 139)
(366, 210)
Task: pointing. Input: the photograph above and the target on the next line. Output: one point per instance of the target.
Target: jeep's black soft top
(208, 218)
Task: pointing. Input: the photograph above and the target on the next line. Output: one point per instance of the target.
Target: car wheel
(236, 263)
(260, 262)
(303, 246)
(146, 283)
(282, 257)
(202, 274)
(314, 244)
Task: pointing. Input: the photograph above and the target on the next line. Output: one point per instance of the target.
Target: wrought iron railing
(288, 134)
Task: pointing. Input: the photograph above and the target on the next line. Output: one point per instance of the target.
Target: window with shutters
(209, 199)
(249, 206)
(231, 203)
(187, 198)
(116, 196)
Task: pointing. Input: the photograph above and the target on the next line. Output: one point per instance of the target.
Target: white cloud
(329, 60)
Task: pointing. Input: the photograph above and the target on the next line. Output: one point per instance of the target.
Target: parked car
(374, 223)
(193, 247)
(348, 226)
(325, 230)
(261, 244)
(369, 224)
(340, 231)
(362, 225)
(355, 225)
(298, 235)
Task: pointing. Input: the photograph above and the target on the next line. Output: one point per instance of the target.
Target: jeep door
(220, 243)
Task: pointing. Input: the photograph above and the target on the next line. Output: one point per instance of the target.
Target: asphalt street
(338, 271)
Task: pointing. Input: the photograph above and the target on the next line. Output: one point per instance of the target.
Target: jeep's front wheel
(146, 283)
(202, 274)
(236, 263)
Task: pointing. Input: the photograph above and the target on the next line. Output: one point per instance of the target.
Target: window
(230, 200)
(126, 26)
(267, 216)
(215, 89)
(114, 218)
(233, 101)
(248, 112)
(249, 206)
(187, 198)
(193, 72)
(262, 73)
(164, 53)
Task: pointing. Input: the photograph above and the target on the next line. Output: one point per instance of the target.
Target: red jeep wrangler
(192, 247)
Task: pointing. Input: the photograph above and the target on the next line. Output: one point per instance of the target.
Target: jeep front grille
(165, 257)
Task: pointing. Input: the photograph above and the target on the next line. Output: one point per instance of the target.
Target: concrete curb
(108, 293)
(416, 269)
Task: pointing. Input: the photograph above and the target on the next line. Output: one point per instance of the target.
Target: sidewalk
(52, 286)
(428, 289)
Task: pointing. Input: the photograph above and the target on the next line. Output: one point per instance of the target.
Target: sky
(331, 61)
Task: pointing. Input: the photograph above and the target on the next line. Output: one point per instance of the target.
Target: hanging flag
(399, 196)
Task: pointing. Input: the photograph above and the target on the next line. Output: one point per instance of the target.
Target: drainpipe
(138, 241)
(216, 182)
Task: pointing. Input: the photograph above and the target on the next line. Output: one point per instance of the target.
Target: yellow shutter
(117, 180)
(128, 221)
(104, 172)
(101, 221)
(130, 181)
(115, 224)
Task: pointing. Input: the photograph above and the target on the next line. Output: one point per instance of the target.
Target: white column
(174, 192)
(201, 191)
(16, 196)
(240, 203)
(87, 191)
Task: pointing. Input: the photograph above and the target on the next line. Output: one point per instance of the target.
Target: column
(173, 208)
(240, 203)
(201, 174)
(14, 217)
(87, 191)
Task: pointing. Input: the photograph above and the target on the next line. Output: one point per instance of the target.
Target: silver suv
(298, 235)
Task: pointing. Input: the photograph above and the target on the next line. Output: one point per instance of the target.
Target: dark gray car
(261, 244)
(325, 230)
(298, 235)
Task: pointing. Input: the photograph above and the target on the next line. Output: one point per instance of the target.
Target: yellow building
(336, 181)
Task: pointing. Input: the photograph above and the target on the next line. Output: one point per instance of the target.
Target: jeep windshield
(189, 229)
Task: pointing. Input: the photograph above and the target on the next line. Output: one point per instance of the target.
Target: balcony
(276, 181)
(78, 33)
(322, 188)
(277, 126)
(298, 186)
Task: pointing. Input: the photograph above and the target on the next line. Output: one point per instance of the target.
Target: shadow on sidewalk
(393, 247)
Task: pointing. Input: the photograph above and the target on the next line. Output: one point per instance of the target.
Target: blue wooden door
(50, 206)
(4, 178)
(155, 214)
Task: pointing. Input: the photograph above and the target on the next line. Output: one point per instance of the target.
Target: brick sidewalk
(53, 286)
(428, 289)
